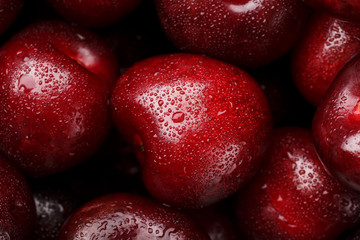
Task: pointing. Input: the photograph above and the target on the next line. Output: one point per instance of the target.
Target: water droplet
(27, 83)
(178, 117)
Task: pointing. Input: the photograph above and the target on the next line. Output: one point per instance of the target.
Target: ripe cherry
(294, 197)
(199, 126)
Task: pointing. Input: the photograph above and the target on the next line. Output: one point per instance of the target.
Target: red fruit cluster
(180, 145)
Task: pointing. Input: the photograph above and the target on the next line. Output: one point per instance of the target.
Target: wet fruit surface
(17, 209)
(347, 9)
(126, 216)
(336, 125)
(54, 112)
(294, 197)
(246, 33)
(326, 46)
(9, 11)
(94, 13)
(199, 126)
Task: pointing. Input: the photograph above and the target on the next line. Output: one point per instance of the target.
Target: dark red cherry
(347, 9)
(328, 44)
(336, 125)
(248, 33)
(55, 109)
(9, 11)
(199, 126)
(294, 197)
(17, 208)
(94, 13)
(126, 216)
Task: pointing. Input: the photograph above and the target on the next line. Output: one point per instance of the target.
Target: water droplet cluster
(247, 33)
(294, 195)
(125, 216)
(54, 112)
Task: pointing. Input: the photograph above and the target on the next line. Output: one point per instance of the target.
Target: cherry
(17, 209)
(324, 49)
(294, 197)
(248, 33)
(94, 13)
(9, 11)
(199, 126)
(126, 216)
(54, 97)
(348, 9)
(336, 125)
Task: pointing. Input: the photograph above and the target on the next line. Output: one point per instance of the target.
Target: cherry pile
(179, 119)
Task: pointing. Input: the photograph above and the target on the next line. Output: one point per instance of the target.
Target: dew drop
(178, 117)
(27, 83)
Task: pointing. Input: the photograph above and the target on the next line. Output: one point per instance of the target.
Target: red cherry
(248, 33)
(94, 13)
(200, 126)
(54, 112)
(9, 11)
(17, 209)
(325, 48)
(126, 216)
(348, 9)
(294, 198)
(336, 125)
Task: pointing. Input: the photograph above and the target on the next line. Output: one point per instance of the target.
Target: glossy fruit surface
(336, 125)
(199, 126)
(347, 9)
(81, 45)
(9, 11)
(247, 33)
(126, 216)
(54, 112)
(328, 44)
(294, 197)
(17, 209)
(94, 13)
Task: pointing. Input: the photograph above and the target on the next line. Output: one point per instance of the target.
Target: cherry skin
(86, 48)
(336, 125)
(55, 110)
(94, 13)
(328, 44)
(199, 126)
(248, 33)
(9, 11)
(126, 216)
(294, 197)
(17, 208)
(347, 9)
